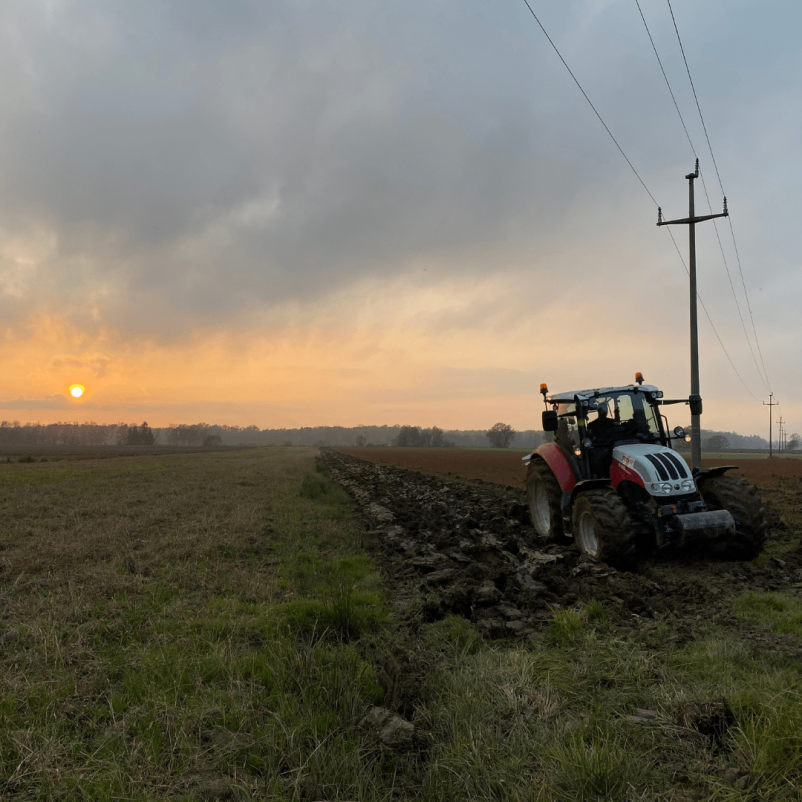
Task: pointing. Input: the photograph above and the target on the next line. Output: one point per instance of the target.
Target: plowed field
(468, 548)
(506, 467)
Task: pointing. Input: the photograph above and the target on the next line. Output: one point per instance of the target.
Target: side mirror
(696, 404)
(550, 421)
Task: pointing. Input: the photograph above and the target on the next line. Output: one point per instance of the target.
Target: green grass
(780, 612)
(209, 625)
(223, 661)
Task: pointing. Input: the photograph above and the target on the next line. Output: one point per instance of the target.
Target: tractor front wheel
(544, 496)
(603, 528)
(742, 500)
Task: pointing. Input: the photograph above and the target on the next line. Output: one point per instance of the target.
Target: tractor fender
(569, 497)
(586, 484)
(708, 473)
(555, 458)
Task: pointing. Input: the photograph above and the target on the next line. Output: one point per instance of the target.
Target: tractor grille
(668, 466)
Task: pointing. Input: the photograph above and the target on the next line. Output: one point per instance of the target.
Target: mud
(467, 548)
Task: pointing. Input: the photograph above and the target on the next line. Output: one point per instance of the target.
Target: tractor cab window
(624, 409)
(621, 416)
(652, 419)
(567, 426)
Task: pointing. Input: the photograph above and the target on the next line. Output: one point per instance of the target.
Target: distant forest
(200, 434)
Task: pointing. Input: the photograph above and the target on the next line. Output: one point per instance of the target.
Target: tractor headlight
(578, 451)
(687, 486)
(663, 488)
(587, 442)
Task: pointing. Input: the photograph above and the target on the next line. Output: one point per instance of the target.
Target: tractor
(613, 482)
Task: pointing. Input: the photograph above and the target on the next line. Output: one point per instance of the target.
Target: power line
(748, 305)
(721, 185)
(695, 97)
(637, 175)
(631, 167)
(707, 196)
(710, 320)
(676, 106)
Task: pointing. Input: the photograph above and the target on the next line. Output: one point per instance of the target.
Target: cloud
(56, 401)
(188, 168)
(421, 185)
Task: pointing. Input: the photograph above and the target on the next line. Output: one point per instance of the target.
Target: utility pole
(691, 221)
(770, 405)
(780, 438)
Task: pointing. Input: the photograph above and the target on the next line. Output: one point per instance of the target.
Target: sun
(77, 390)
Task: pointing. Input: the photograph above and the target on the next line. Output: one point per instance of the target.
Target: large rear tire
(742, 500)
(544, 496)
(602, 527)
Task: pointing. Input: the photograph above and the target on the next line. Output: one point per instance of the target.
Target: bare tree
(794, 442)
(500, 435)
(717, 442)
(408, 436)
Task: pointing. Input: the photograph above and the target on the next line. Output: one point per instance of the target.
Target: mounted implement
(612, 481)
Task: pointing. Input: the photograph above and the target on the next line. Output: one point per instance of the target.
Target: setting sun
(77, 390)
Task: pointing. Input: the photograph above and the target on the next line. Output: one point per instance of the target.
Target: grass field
(210, 626)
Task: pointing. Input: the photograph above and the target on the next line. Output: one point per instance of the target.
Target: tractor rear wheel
(742, 500)
(603, 528)
(544, 496)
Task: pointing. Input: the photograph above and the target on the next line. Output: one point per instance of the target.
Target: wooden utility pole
(770, 405)
(780, 438)
(691, 221)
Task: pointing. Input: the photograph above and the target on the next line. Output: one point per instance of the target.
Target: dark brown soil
(506, 467)
(451, 546)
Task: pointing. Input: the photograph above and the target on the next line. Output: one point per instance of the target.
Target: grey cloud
(200, 162)
(57, 401)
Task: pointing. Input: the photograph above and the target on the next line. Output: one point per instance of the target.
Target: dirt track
(468, 548)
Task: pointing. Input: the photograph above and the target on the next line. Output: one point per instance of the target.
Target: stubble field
(260, 624)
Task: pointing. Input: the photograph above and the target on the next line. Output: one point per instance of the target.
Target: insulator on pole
(725, 205)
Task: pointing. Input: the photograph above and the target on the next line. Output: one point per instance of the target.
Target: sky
(306, 213)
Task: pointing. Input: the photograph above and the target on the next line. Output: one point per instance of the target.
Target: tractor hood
(662, 471)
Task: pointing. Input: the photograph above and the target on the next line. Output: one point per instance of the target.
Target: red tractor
(612, 481)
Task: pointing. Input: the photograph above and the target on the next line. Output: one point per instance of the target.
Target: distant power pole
(770, 405)
(780, 438)
(691, 221)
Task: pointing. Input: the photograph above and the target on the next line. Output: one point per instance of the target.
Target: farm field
(271, 624)
(504, 466)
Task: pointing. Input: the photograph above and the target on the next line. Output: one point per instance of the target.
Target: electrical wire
(637, 175)
(621, 150)
(676, 105)
(710, 320)
(721, 185)
(707, 197)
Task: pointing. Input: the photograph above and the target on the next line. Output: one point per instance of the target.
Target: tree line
(13, 433)
(501, 435)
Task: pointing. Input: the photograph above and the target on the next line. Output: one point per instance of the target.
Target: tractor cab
(589, 424)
